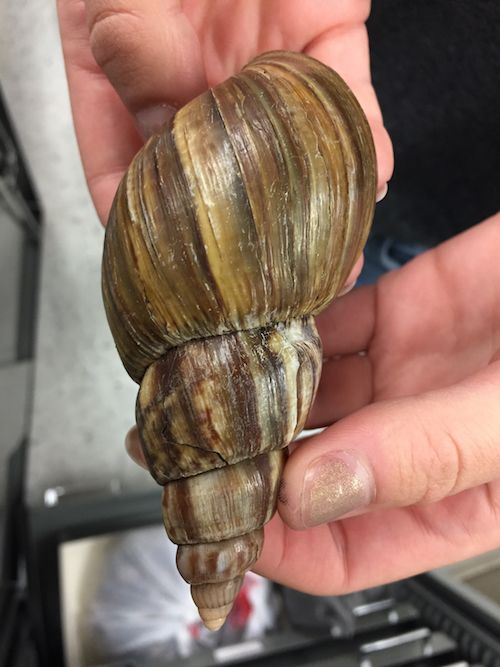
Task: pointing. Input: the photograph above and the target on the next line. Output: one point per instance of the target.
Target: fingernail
(347, 288)
(134, 449)
(151, 119)
(382, 192)
(335, 485)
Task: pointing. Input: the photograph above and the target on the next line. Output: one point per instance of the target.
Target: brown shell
(251, 209)
(231, 228)
(216, 401)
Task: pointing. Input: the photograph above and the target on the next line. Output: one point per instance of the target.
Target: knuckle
(443, 465)
(431, 466)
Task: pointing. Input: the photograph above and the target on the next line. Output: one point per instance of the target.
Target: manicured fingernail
(382, 192)
(335, 485)
(134, 449)
(151, 119)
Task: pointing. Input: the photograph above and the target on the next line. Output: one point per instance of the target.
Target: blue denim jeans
(384, 254)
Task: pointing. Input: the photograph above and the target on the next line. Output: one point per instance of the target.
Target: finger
(348, 325)
(346, 385)
(134, 449)
(113, 130)
(383, 546)
(149, 51)
(108, 140)
(353, 276)
(365, 95)
(415, 450)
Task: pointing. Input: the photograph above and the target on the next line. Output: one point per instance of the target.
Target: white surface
(84, 401)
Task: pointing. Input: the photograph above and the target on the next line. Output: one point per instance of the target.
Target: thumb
(151, 54)
(397, 453)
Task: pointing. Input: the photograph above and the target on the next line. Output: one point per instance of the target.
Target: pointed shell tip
(214, 624)
(214, 619)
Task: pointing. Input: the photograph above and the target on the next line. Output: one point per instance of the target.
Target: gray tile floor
(83, 400)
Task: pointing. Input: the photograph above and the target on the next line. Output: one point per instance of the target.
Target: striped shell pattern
(231, 229)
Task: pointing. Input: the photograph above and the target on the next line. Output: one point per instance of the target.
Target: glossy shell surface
(233, 227)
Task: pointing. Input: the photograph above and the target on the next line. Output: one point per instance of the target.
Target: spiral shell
(231, 228)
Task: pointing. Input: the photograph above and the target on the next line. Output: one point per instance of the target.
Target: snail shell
(230, 230)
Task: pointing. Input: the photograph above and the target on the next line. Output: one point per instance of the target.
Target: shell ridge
(231, 229)
(238, 161)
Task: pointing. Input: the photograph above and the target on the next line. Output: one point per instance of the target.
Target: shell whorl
(268, 186)
(215, 416)
(230, 229)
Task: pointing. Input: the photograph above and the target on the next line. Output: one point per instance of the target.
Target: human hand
(159, 54)
(414, 449)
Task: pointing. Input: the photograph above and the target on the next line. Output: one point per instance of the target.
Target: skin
(420, 405)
